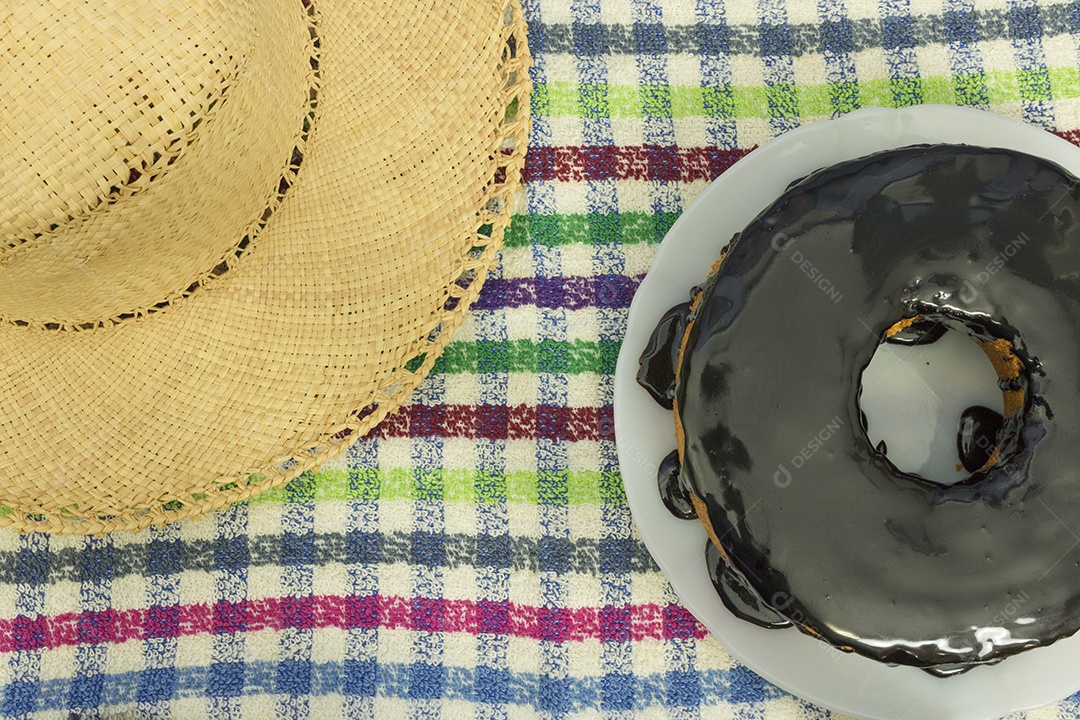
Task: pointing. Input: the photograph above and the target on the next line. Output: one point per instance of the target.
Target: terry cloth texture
(475, 557)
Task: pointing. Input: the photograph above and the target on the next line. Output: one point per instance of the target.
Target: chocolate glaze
(977, 436)
(656, 367)
(738, 595)
(673, 492)
(920, 332)
(894, 566)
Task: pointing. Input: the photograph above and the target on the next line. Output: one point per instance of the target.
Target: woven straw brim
(330, 319)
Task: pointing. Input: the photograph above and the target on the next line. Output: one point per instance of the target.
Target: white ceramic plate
(796, 662)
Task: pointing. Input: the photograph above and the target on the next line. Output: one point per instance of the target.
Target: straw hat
(234, 235)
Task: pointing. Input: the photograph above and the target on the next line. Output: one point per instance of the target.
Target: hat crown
(146, 141)
(98, 80)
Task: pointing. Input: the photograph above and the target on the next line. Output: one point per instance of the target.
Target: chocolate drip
(656, 366)
(977, 436)
(920, 332)
(673, 492)
(738, 595)
(953, 669)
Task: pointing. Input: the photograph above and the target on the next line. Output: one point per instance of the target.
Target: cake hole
(932, 403)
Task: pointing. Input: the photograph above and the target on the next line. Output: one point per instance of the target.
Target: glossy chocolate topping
(889, 564)
(738, 595)
(977, 436)
(673, 492)
(656, 368)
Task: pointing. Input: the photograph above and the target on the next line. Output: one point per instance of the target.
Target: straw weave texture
(234, 236)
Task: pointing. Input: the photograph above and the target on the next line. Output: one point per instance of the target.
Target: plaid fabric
(475, 557)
